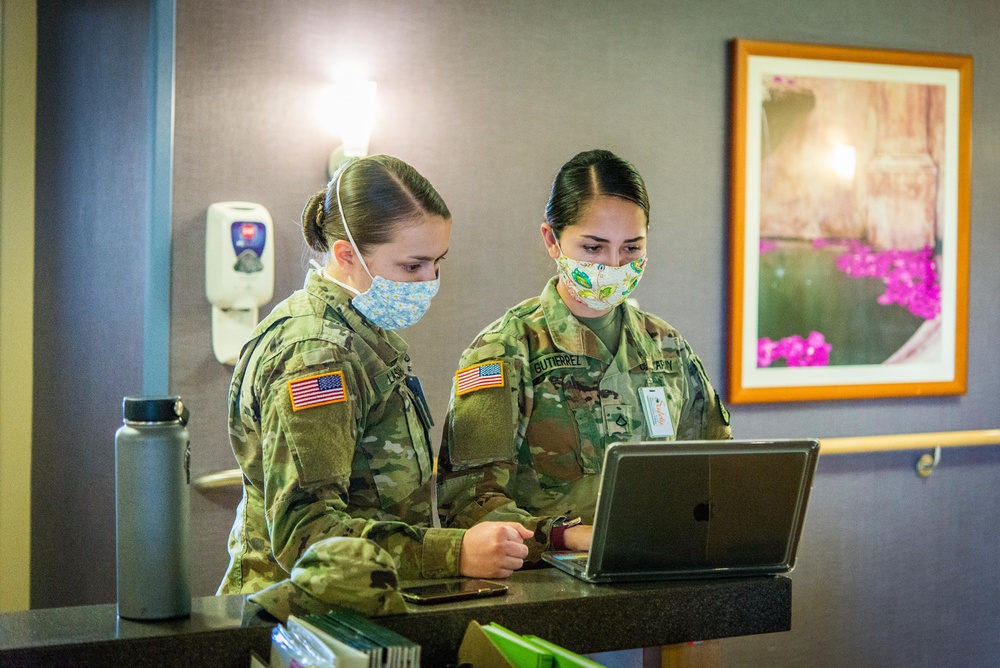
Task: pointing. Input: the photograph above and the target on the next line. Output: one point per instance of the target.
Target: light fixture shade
(354, 115)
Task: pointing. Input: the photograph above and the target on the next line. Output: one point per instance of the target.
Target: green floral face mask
(599, 286)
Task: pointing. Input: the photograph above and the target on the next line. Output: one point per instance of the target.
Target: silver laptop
(697, 509)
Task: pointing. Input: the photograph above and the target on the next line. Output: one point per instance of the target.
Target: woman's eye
(411, 267)
(633, 249)
(591, 249)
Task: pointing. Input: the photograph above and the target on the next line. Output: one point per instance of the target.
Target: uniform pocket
(318, 425)
(483, 422)
(396, 451)
(554, 431)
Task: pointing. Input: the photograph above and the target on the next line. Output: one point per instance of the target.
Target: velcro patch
(327, 388)
(555, 361)
(668, 365)
(479, 377)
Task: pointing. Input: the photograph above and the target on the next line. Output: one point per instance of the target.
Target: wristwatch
(557, 539)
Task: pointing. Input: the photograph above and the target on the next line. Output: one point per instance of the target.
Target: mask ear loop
(340, 209)
(556, 239)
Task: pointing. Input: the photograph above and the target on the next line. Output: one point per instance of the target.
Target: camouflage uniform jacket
(354, 462)
(530, 447)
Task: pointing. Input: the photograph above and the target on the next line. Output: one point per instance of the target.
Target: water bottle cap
(153, 409)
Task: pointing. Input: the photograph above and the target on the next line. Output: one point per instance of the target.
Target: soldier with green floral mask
(542, 392)
(327, 420)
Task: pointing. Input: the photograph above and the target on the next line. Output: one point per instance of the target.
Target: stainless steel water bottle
(152, 478)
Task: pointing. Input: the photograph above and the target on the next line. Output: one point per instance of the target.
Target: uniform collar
(639, 346)
(568, 333)
(386, 343)
(572, 336)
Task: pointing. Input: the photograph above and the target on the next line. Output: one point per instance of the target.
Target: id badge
(656, 411)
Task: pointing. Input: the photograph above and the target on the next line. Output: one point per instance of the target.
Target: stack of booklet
(341, 638)
(493, 646)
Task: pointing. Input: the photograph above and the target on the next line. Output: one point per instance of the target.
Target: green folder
(562, 657)
(520, 652)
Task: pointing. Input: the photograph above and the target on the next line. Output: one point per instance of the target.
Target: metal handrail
(227, 478)
(943, 439)
(827, 446)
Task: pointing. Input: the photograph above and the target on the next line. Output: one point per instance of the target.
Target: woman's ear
(342, 253)
(551, 244)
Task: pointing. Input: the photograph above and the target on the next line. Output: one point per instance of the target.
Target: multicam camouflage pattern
(532, 451)
(359, 468)
(349, 572)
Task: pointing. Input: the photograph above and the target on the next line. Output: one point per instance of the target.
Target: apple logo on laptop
(703, 512)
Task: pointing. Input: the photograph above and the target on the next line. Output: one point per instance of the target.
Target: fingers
(515, 549)
(510, 563)
(494, 549)
(524, 532)
(514, 532)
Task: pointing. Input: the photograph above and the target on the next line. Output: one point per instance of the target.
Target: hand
(493, 549)
(578, 538)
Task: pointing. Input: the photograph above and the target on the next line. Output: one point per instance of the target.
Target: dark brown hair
(587, 176)
(379, 193)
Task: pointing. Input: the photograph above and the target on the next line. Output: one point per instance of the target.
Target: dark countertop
(545, 602)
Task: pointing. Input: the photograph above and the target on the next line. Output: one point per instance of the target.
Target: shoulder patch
(327, 388)
(479, 377)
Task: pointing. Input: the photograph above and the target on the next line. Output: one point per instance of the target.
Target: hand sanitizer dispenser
(239, 272)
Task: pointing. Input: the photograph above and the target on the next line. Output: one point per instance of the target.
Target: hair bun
(312, 221)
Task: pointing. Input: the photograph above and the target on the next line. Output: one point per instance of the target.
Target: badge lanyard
(424, 413)
(655, 408)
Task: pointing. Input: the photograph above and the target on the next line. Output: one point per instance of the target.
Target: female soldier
(325, 418)
(543, 390)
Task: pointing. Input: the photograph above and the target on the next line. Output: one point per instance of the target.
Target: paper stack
(341, 638)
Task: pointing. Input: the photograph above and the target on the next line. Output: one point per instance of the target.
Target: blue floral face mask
(394, 304)
(388, 304)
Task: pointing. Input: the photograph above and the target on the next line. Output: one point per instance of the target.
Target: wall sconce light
(354, 113)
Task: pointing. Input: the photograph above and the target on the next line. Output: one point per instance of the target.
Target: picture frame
(849, 212)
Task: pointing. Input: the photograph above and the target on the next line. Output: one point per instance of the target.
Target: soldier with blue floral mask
(542, 392)
(328, 422)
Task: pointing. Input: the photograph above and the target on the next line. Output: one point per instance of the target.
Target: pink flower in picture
(810, 351)
(766, 352)
(910, 276)
(766, 246)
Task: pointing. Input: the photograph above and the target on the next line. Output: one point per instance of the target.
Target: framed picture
(850, 222)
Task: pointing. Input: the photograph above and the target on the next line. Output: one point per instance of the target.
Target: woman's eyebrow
(602, 240)
(426, 258)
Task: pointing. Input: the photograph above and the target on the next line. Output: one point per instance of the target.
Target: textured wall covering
(92, 181)
(487, 100)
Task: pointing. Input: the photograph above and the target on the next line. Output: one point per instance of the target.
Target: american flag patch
(478, 377)
(327, 388)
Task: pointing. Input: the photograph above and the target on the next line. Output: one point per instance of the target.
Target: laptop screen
(702, 506)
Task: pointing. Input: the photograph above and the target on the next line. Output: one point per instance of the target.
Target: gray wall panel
(893, 570)
(91, 212)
